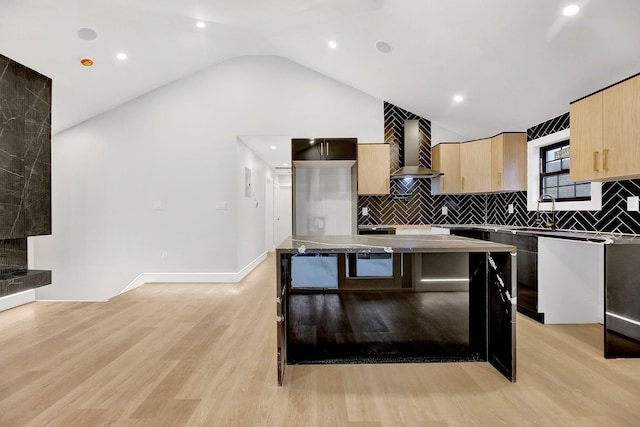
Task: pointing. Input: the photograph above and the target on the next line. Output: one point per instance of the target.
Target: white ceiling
(517, 62)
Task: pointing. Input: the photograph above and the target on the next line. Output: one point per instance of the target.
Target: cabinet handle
(321, 149)
(463, 182)
(279, 319)
(499, 178)
(595, 161)
(327, 149)
(604, 159)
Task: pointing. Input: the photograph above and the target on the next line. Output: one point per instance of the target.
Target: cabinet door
(282, 284)
(509, 162)
(586, 138)
(621, 150)
(497, 163)
(340, 149)
(374, 168)
(307, 149)
(446, 159)
(475, 166)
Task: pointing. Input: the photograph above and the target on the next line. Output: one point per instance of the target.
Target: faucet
(549, 224)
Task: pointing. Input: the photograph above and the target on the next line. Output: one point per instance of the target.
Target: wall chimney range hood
(412, 168)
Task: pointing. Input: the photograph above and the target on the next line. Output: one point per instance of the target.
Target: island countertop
(390, 243)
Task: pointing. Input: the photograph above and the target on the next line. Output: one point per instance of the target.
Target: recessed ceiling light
(273, 147)
(121, 56)
(383, 46)
(332, 44)
(87, 34)
(200, 24)
(571, 10)
(458, 98)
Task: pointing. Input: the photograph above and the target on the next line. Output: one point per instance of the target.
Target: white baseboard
(143, 278)
(15, 300)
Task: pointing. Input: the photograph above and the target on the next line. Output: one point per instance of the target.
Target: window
(535, 148)
(554, 175)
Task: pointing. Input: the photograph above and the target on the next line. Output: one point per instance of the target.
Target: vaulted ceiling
(516, 63)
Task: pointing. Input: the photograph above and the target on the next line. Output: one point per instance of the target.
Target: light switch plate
(157, 205)
(632, 204)
(221, 206)
(365, 211)
(510, 208)
(445, 210)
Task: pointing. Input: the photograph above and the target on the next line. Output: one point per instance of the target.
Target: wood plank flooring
(204, 355)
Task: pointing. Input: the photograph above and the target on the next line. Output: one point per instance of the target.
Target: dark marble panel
(13, 254)
(25, 151)
(37, 152)
(23, 280)
(11, 152)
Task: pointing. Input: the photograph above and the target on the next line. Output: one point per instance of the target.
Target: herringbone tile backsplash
(412, 203)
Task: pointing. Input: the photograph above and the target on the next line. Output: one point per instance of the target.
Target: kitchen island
(392, 299)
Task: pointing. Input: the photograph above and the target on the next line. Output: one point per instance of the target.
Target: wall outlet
(365, 211)
(165, 254)
(632, 204)
(510, 208)
(445, 211)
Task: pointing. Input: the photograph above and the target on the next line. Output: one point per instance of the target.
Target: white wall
(177, 145)
(284, 208)
(251, 210)
(440, 134)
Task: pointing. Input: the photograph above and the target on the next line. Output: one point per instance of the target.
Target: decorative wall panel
(25, 172)
(25, 151)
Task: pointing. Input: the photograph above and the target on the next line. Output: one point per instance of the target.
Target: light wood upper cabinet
(509, 162)
(481, 166)
(374, 169)
(475, 166)
(586, 124)
(621, 127)
(445, 158)
(605, 134)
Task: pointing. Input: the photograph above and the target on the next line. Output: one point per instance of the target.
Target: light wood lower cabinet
(374, 169)
(605, 134)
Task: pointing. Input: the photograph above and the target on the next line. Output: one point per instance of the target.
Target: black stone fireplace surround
(25, 172)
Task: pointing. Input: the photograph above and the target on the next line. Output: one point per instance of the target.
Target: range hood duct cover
(412, 168)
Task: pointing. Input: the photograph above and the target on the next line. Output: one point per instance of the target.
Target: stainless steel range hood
(412, 168)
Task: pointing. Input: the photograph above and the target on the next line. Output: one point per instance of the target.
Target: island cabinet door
(502, 309)
(282, 282)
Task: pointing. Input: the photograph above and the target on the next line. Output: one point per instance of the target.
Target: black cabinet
(622, 293)
(314, 149)
(527, 271)
(527, 246)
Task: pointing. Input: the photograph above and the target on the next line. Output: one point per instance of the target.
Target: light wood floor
(204, 355)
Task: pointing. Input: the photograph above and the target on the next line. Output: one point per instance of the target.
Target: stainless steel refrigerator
(324, 200)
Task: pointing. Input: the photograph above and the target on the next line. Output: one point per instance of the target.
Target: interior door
(502, 309)
(282, 282)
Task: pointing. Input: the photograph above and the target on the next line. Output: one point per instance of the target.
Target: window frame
(533, 178)
(544, 174)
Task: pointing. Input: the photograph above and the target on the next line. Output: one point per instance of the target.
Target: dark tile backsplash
(412, 202)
